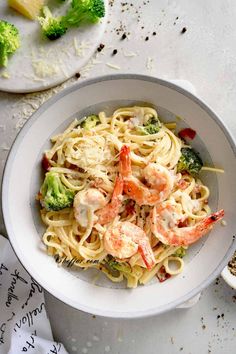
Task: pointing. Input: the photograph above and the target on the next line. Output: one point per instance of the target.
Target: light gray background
(206, 56)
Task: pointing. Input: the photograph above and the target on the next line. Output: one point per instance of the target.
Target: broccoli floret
(122, 267)
(52, 27)
(86, 11)
(9, 41)
(152, 126)
(90, 122)
(181, 252)
(189, 161)
(80, 11)
(55, 195)
(115, 267)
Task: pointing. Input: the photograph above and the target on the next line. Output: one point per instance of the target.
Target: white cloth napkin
(24, 325)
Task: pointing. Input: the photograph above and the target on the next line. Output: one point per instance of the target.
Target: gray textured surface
(206, 56)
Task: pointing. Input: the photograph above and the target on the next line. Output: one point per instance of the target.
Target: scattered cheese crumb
(79, 49)
(74, 349)
(107, 348)
(95, 338)
(73, 340)
(129, 54)
(44, 69)
(66, 52)
(120, 335)
(85, 350)
(84, 72)
(4, 147)
(89, 344)
(112, 66)
(223, 223)
(5, 75)
(149, 63)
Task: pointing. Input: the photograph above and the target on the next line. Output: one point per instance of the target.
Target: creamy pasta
(133, 213)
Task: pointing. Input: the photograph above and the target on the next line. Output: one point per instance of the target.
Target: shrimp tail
(211, 219)
(147, 256)
(111, 210)
(189, 235)
(207, 223)
(118, 188)
(125, 162)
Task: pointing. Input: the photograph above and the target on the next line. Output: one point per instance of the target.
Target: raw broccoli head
(90, 122)
(9, 41)
(152, 126)
(80, 11)
(87, 11)
(52, 27)
(55, 196)
(189, 161)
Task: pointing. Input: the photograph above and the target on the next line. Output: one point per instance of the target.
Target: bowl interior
(205, 259)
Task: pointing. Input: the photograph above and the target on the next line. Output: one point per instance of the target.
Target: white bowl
(205, 260)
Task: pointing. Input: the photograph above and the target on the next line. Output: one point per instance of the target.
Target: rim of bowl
(26, 127)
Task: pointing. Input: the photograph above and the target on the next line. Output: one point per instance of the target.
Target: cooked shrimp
(157, 177)
(111, 210)
(165, 221)
(92, 199)
(125, 239)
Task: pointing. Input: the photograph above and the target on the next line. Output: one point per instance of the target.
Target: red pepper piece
(45, 163)
(187, 133)
(163, 276)
(130, 207)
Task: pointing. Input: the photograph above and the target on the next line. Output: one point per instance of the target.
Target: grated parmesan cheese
(4, 147)
(96, 339)
(149, 63)
(112, 66)
(79, 49)
(129, 54)
(84, 72)
(26, 105)
(44, 69)
(5, 75)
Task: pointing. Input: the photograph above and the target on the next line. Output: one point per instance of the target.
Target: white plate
(61, 58)
(22, 179)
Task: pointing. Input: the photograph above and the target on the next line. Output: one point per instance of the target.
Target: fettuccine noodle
(86, 158)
